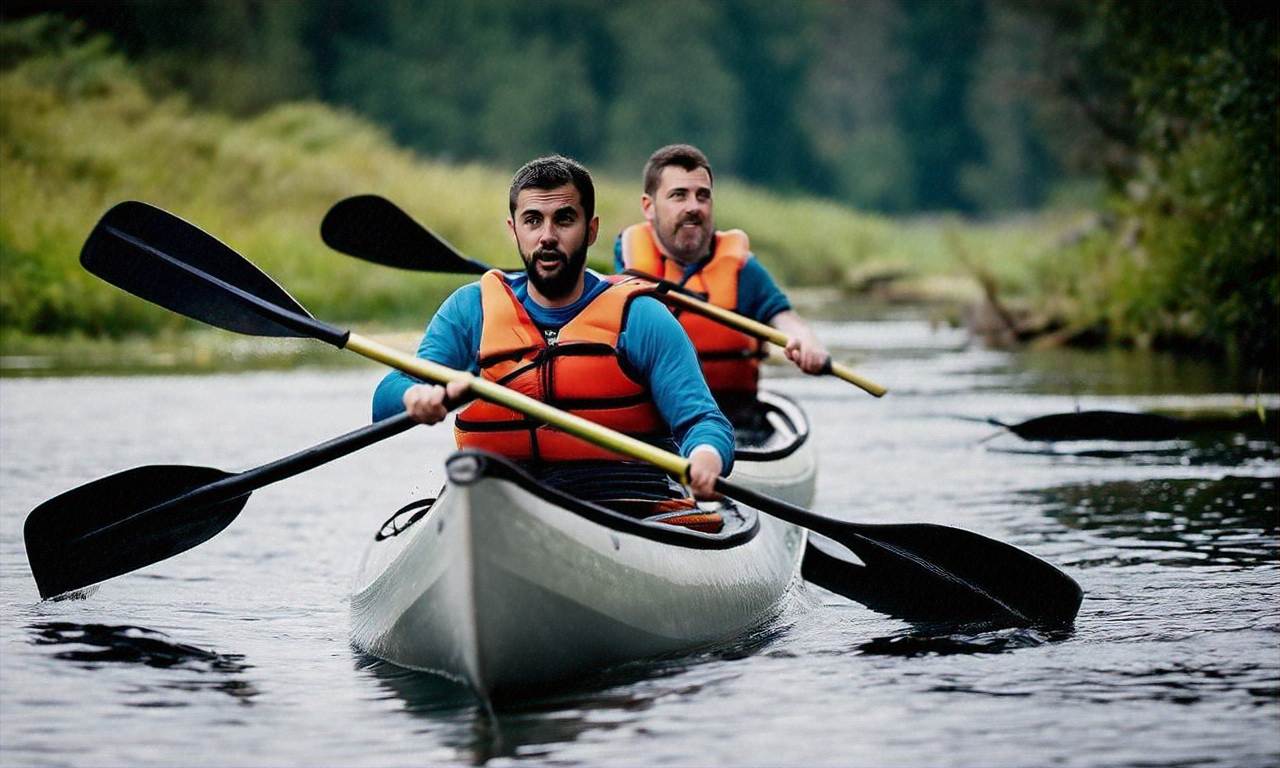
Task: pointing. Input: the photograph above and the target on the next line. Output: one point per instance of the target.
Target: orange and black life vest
(582, 372)
(730, 359)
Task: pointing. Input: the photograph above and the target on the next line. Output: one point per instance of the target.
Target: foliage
(1193, 255)
(975, 106)
(78, 133)
(888, 105)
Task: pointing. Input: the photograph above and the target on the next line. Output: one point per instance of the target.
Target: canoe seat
(681, 511)
(685, 512)
(706, 522)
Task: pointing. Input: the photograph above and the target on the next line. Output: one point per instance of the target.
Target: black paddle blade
(920, 571)
(896, 587)
(950, 572)
(122, 522)
(375, 229)
(159, 257)
(1101, 425)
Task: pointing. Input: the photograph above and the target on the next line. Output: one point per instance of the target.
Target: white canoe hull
(502, 589)
(786, 465)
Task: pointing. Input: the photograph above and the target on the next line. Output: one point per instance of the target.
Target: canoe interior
(466, 467)
(779, 430)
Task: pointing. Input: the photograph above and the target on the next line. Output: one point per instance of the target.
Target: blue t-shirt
(759, 297)
(651, 341)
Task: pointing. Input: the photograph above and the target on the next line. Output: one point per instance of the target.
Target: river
(237, 652)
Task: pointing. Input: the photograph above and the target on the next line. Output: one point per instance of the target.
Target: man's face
(680, 212)
(552, 235)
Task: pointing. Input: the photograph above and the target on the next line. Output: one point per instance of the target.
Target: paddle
(166, 260)
(1098, 425)
(375, 229)
(143, 515)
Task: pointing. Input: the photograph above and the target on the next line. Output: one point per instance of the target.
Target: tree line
(895, 106)
(886, 105)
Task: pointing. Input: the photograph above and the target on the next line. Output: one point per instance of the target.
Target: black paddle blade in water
(901, 588)
(1100, 425)
(123, 522)
(920, 571)
(159, 257)
(373, 228)
(925, 571)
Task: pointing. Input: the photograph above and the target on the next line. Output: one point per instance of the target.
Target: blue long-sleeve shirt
(759, 297)
(651, 341)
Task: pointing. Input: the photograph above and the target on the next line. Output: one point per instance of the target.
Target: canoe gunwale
(469, 467)
(791, 412)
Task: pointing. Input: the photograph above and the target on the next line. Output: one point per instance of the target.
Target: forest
(1159, 118)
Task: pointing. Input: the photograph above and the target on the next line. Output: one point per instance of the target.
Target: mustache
(549, 253)
(692, 218)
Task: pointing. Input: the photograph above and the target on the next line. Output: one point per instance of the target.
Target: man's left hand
(704, 469)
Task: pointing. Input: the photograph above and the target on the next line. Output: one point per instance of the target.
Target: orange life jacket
(730, 359)
(582, 373)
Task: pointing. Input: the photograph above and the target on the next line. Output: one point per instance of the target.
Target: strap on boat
(691, 517)
(394, 526)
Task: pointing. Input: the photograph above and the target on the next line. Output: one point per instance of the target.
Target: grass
(79, 133)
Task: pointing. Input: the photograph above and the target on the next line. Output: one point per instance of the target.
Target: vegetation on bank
(1184, 254)
(79, 132)
(1188, 95)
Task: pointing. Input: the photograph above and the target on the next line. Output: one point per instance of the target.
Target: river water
(236, 652)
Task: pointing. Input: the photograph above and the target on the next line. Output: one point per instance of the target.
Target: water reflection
(92, 645)
(1229, 521)
(1239, 451)
(1124, 371)
(1204, 442)
(948, 640)
(527, 727)
(536, 723)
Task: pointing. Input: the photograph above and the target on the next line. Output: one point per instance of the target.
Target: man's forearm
(790, 323)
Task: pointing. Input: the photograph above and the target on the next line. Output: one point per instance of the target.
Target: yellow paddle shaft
(761, 331)
(674, 465)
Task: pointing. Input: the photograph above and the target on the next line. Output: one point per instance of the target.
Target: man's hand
(704, 468)
(803, 348)
(807, 353)
(425, 403)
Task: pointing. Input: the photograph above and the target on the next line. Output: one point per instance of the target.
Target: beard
(561, 279)
(685, 244)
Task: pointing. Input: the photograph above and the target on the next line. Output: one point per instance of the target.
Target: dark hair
(551, 172)
(686, 156)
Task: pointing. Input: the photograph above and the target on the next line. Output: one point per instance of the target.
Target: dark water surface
(236, 652)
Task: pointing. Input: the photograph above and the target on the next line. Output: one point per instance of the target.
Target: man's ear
(593, 229)
(511, 229)
(646, 206)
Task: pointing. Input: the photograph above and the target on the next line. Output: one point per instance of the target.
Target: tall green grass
(79, 133)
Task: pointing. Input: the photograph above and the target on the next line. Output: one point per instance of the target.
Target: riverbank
(81, 132)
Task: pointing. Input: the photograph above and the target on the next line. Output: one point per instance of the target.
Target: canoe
(777, 459)
(508, 585)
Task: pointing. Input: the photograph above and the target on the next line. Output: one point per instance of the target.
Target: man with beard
(677, 242)
(565, 335)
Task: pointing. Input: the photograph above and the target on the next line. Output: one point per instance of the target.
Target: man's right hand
(425, 403)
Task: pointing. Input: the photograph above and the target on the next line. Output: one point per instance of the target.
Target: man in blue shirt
(552, 221)
(678, 242)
